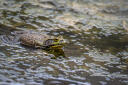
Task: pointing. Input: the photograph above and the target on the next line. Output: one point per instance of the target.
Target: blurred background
(97, 48)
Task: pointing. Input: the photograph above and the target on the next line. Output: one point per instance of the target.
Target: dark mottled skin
(36, 39)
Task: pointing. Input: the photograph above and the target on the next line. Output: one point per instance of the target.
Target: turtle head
(56, 42)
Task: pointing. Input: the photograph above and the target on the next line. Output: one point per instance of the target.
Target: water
(96, 51)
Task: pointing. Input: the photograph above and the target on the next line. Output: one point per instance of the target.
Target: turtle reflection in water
(49, 43)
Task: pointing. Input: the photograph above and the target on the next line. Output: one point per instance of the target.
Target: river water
(96, 52)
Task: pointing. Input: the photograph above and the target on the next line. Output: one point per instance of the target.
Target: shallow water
(96, 50)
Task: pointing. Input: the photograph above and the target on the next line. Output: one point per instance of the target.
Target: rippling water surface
(97, 42)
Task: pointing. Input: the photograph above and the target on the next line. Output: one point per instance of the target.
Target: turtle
(38, 40)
